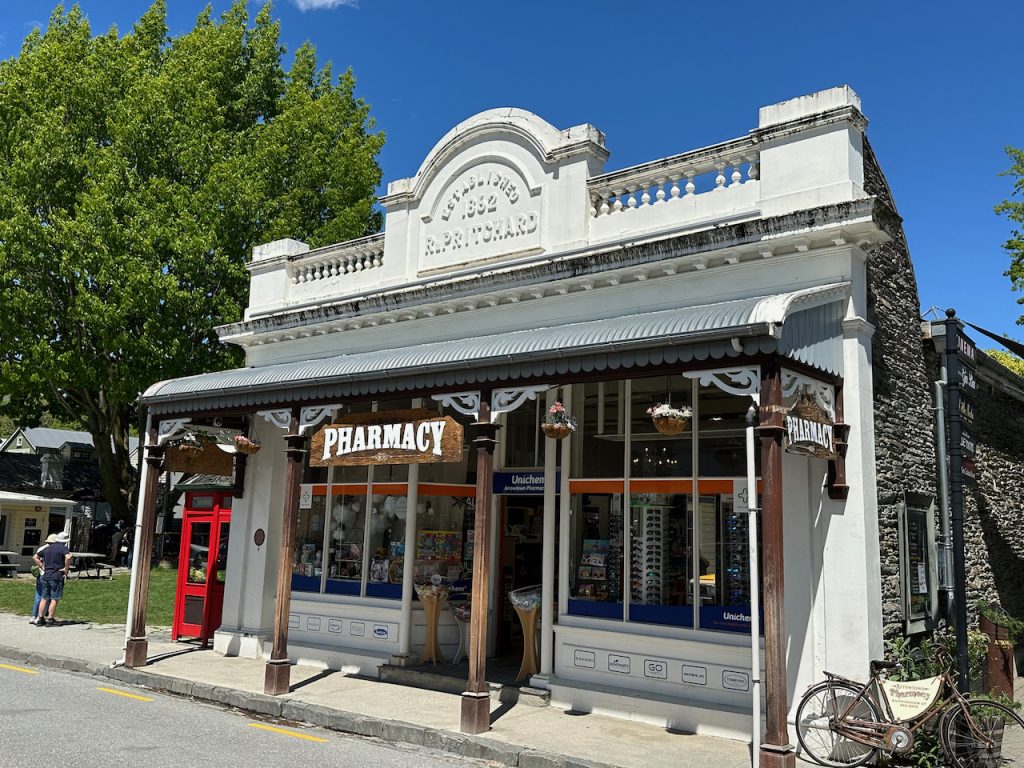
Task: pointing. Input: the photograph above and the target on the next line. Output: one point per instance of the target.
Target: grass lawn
(97, 600)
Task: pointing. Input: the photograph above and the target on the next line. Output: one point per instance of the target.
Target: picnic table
(84, 563)
(7, 568)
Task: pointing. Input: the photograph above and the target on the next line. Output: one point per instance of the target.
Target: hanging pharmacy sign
(396, 437)
(809, 430)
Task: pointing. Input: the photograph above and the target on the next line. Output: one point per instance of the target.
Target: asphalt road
(52, 718)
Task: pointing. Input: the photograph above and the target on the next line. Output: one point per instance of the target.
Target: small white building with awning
(26, 520)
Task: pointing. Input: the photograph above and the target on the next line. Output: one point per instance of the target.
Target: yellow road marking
(286, 732)
(126, 695)
(20, 669)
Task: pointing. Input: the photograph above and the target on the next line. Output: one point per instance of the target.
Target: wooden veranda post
(278, 673)
(476, 700)
(137, 648)
(776, 751)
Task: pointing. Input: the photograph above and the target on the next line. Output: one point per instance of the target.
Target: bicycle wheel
(984, 735)
(814, 718)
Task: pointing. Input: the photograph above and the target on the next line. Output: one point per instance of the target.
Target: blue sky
(940, 84)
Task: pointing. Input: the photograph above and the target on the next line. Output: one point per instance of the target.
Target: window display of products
(649, 558)
(592, 582)
(737, 560)
(597, 573)
(438, 552)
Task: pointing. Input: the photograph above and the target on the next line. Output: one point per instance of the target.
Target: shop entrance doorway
(202, 562)
(520, 555)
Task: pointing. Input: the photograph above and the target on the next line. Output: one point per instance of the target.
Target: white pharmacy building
(398, 384)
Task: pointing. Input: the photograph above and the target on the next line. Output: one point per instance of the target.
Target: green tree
(136, 174)
(1007, 360)
(1014, 211)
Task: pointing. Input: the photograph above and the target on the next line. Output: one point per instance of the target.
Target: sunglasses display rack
(614, 567)
(648, 555)
(737, 565)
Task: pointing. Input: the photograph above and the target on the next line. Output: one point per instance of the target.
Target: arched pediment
(515, 126)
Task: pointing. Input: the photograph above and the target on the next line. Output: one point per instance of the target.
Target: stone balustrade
(336, 261)
(522, 191)
(710, 169)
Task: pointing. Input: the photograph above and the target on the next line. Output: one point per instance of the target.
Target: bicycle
(842, 723)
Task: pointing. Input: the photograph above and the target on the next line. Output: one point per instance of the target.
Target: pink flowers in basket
(558, 415)
(557, 422)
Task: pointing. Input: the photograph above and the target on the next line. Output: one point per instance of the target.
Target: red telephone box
(202, 563)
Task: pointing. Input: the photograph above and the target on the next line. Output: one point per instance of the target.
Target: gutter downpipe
(755, 586)
(137, 538)
(945, 540)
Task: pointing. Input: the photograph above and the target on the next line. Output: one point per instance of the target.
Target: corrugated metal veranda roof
(685, 334)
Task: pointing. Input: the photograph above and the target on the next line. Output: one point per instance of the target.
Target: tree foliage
(1007, 360)
(1014, 211)
(136, 174)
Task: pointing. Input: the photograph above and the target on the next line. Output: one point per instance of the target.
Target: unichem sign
(388, 438)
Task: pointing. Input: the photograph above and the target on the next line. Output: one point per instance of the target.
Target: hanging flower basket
(668, 425)
(190, 445)
(557, 431)
(558, 423)
(246, 445)
(668, 420)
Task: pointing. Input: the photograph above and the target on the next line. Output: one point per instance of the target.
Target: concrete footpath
(521, 734)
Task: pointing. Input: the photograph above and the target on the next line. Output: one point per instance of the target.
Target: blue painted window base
(305, 583)
(672, 615)
(390, 591)
(718, 618)
(340, 587)
(600, 609)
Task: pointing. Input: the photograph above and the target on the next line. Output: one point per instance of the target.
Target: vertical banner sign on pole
(959, 350)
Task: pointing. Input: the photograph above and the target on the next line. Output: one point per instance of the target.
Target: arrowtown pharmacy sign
(810, 431)
(397, 437)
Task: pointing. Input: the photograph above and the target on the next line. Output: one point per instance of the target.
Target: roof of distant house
(45, 437)
(30, 498)
(21, 472)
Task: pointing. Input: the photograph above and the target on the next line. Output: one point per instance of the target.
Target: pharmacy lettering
(809, 430)
(397, 437)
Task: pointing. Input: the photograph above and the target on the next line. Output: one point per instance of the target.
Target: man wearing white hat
(55, 561)
(38, 573)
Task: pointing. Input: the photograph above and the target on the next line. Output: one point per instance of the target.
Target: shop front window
(522, 436)
(386, 543)
(308, 555)
(595, 576)
(661, 559)
(599, 412)
(444, 538)
(351, 537)
(348, 519)
(682, 548)
(725, 582)
(651, 453)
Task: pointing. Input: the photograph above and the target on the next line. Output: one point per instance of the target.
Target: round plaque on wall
(259, 537)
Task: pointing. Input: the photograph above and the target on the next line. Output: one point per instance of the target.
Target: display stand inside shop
(433, 595)
(461, 612)
(526, 601)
